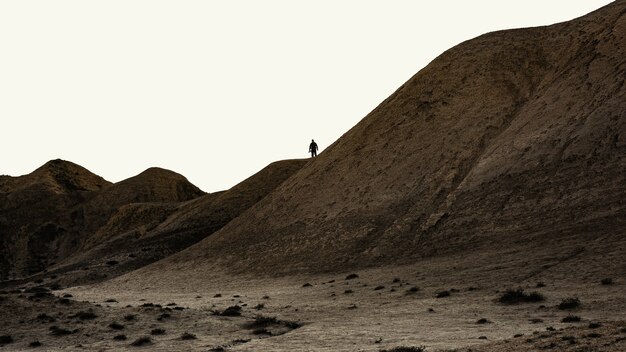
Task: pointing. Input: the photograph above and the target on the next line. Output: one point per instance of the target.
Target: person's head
(312, 140)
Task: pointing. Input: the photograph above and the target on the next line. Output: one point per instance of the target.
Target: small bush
(259, 306)
(232, 311)
(141, 341)
(112, 262)
(396, 280)
(67, 295)
(352, 277)
(119, 337)
(519, 296)
(130, 317)
(307, 285)
(217, 295)
(380, 287)
(607, 281)
(442, 294)
(111, 300)
(482, 321)
(569, 303)
(413, 289)
(164, 316)
(594, 325)
(348, 292)
(157, 331)
(64, 301)
(262, 331)
(594, 335)
(188, 336)
(292, 324)
(35, 343)
(406, 349)
(261, 321)
(571, 319)
(116, 326)
(5, 339)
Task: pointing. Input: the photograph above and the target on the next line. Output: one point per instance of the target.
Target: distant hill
(63, 218)
(512, 141)
(36, 223)
(141, 233)
(154, 185)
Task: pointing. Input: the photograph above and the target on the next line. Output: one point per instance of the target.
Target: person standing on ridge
(313, 148)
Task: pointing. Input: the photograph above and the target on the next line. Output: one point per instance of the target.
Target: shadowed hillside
(515, 139)
(156, 186)
(94, 230)
(53, 212)
(141, 233)
(36, 226)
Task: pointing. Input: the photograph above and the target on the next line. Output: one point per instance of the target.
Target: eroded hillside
(63, 219)
(515, 139)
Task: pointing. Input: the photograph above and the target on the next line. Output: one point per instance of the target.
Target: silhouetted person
(313, 148)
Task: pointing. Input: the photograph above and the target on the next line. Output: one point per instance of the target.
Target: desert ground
(442, 305)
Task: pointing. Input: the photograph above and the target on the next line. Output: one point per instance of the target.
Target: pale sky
(216, 90)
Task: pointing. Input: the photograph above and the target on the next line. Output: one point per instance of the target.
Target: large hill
(515, 139)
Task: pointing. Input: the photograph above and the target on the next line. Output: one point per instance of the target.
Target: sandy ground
(380, 309)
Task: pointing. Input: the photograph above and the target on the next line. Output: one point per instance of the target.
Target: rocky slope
(513, 140)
